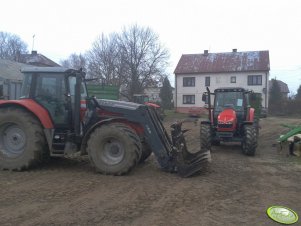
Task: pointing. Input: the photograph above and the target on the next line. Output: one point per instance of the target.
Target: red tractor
(144, 99)
(56, 117)
(231, 119)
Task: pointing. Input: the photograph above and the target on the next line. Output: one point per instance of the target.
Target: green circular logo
(282, 214)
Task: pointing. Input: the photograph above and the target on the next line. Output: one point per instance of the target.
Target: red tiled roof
(223, 62)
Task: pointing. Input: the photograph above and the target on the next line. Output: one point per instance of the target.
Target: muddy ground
(236, 190)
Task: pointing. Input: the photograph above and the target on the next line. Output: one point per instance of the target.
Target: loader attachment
(187, 163)
(170, 152)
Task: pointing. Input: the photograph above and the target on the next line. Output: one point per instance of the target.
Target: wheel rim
(113, 152)
(12, 140)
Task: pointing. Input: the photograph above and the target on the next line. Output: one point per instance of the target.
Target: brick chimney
(205, 52)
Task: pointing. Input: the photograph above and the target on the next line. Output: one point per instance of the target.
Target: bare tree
(143, 57)
(75, 61)
(133, 59)
(11, 46)
(104, 60)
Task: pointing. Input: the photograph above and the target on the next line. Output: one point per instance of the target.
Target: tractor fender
(250, 115)
(91, 129)
(31, 106)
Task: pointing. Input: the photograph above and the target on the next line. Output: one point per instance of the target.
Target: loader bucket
(198, 163)
(187, 163)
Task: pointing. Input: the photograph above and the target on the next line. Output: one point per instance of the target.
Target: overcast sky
(63, 27)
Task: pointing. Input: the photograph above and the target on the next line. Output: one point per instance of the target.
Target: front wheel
(249, 143)
(113, 149)
(206, 137)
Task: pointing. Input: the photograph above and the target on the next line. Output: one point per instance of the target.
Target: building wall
(218, 80)
(10, 89)
(154, 94)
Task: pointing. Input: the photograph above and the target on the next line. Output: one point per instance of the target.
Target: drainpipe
(176, 92)
(267, 91)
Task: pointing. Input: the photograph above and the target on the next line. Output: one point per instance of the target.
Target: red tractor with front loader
(231, 119)
(56, 117)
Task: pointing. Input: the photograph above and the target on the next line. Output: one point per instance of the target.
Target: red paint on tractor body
(40, 112)
(152, 104)
(227, 120)
(250, 116)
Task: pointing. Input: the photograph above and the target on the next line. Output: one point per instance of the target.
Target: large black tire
(113, 149)
(22, 140)
(256, 127)
(249, 143)
(206, 137)
(133, 135)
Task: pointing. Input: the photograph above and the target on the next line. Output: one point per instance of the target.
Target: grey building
(10, 79)
(10, 73)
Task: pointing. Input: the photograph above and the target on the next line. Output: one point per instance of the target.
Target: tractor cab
(229, 104)
(61, 92)
(54, 89)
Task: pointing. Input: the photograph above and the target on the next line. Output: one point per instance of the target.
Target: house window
(207, 81)
(188, 99)
(189, 81)
(254, 80)
(1, 92)
(233, 79)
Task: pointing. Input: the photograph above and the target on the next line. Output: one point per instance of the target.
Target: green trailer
(103, 91)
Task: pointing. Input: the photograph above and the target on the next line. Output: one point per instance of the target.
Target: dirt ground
(236, 190)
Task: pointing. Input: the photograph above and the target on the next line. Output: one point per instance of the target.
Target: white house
(195, 72)
(154, 93)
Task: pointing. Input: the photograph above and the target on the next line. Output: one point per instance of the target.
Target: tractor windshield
(229, 100)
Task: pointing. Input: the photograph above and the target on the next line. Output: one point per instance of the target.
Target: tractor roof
(46, 70)
(230, 89)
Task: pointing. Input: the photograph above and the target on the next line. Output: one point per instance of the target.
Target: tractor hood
(118, 104)
(227, 116)
(226, 120)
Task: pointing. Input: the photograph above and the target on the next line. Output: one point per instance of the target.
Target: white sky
(63, 27)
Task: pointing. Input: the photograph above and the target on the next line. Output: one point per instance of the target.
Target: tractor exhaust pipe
(187, 163)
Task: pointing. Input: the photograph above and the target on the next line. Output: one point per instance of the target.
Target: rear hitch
(187, 163)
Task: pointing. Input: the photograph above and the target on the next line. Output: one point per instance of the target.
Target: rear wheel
(113, 149)
(22, 139)
(206, 137)
(249, 143)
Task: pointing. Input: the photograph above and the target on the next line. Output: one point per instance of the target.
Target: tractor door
(50, 92)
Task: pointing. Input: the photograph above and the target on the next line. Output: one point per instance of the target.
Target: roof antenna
(33, 41)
